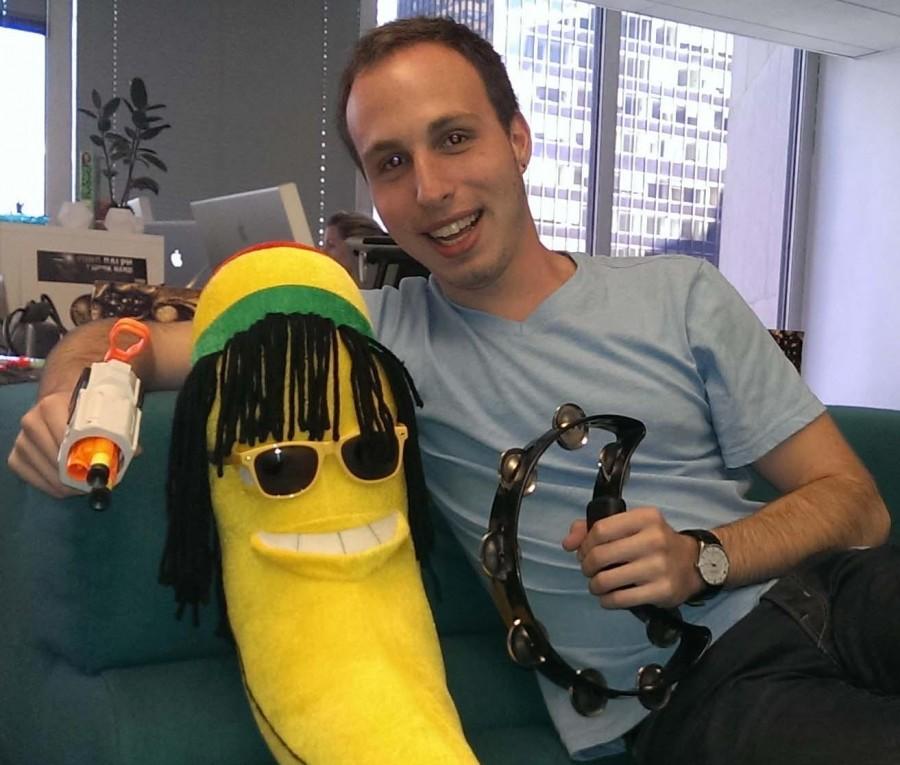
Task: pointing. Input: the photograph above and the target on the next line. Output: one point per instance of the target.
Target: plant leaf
(154, 107)
(146, 135)
(153, 118)
(145, 183)
(95, 97)
(104, 124)
(155, 161)
(140, 120)
(128, 104)
(144, 149)
(96, 140)
(110, 107)
(130, 132)
(88, 112)
(139, 93)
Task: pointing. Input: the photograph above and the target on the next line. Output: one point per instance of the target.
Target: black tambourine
(527, 640)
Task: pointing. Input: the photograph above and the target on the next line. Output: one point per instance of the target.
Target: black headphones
(527, 641)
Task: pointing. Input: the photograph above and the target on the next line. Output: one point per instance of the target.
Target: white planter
(123, 221)
(75, 215)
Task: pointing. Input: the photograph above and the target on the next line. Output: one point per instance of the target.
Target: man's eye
(392, 162)
(455, 139)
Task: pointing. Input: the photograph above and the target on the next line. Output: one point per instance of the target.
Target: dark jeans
(809, 676)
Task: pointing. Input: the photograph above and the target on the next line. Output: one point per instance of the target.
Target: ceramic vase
(121, 220)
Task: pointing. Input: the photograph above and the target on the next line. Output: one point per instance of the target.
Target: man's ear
(520, 140)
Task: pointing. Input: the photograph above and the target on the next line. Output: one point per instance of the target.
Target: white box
(64, 263)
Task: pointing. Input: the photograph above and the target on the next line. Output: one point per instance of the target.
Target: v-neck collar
(550, 306)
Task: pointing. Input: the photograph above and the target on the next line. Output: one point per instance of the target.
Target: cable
(7, 331)
(34, 312)
(54, 313)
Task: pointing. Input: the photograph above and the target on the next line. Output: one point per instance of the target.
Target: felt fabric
(279, 278)
(339, 653)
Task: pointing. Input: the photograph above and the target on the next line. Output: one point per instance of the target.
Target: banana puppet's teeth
(344, 542)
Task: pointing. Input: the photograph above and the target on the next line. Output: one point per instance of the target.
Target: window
(551, 94)
(22, 129)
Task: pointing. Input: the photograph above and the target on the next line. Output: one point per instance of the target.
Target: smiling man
(503, 332)
(507, 329)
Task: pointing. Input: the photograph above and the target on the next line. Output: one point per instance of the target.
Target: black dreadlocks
(248, 375)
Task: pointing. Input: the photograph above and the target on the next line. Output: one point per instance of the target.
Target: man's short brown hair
(389, 38)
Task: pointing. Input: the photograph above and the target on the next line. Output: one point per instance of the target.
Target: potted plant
(127, 152)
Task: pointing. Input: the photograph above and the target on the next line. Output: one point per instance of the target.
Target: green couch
(95, 669)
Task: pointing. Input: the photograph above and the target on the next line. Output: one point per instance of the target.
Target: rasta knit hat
(276, 277)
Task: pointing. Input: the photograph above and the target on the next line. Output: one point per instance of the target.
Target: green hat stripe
(287, 298)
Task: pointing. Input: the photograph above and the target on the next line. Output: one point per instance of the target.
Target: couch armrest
(94, 665)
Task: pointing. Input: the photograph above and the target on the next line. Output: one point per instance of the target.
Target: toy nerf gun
(104, 419)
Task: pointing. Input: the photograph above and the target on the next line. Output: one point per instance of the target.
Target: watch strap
(705, 537)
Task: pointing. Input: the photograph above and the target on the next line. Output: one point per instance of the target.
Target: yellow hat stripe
(285, 298)
(272, 265)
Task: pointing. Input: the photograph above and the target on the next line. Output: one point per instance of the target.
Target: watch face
(713, 565)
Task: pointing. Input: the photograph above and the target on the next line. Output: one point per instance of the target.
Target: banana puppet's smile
(346, 553)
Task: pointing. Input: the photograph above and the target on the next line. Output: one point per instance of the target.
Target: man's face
(444, 174)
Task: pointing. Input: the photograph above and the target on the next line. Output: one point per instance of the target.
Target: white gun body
(106, 404)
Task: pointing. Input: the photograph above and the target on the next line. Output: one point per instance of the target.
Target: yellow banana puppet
(294, 470)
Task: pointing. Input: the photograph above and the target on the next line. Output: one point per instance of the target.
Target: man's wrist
(78, 349)
(711, 565)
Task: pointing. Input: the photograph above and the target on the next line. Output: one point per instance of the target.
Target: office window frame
(59, 28)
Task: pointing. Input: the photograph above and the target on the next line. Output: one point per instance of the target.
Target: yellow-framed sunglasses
(286, 469)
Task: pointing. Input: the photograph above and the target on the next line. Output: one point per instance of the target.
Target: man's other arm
(829, 502)
(162, 366)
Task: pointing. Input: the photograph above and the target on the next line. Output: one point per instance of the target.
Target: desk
(64, 263)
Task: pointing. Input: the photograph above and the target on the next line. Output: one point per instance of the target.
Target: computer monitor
(232, 223)
(186, 264)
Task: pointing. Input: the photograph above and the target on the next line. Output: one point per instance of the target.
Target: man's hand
(34, 454)
(636, 558)
(163, 366)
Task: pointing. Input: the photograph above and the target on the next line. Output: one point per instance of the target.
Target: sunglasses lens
(371, 457)
(286, 469)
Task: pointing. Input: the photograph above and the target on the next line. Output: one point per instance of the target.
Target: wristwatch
(712, 564)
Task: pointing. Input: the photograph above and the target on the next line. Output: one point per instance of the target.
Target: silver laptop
(186, 262)
(232, 223)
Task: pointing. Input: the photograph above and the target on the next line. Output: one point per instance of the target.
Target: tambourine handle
(603, 507)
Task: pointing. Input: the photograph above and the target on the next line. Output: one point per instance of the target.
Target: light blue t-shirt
(665, 340)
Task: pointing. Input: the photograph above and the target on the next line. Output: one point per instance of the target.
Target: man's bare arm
(830, 502)
(164, 365)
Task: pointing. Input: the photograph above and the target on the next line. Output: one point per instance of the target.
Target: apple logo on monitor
(176, 258)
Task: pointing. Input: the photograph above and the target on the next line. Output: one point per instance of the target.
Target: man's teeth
(344, 542)
(452, 229)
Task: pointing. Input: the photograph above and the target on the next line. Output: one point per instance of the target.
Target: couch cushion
(91, 577)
